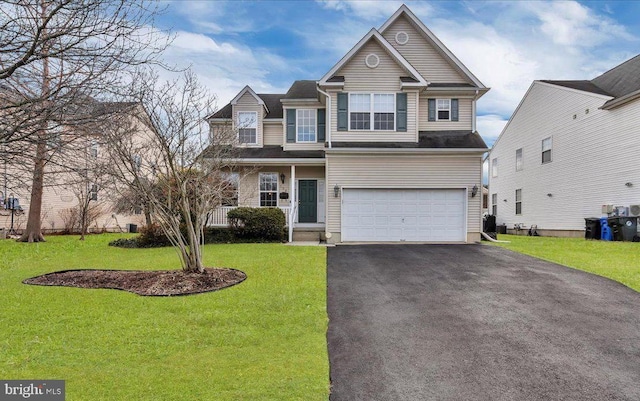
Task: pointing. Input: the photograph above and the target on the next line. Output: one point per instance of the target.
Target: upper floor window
(494, 167)
(248, 127)
(306, 127)
(546, 150)
(93, 149)
(443, 112)
(269, 189)
(518, 159)
(372, 111)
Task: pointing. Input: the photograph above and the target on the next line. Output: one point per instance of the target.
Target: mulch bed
(148, 283)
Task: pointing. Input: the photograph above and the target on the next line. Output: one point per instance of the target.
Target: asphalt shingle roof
(305, 89)
(426, 140)
(581, 85)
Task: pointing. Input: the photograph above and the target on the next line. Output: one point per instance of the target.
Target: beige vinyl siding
(304, 146)
(421, 54)
(359, 77)
(411, 135)
(404, 171)
(273, 133)
(248, 103)
(593, 156)
(465, 115)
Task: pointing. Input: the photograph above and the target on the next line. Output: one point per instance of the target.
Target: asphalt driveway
(476, 322)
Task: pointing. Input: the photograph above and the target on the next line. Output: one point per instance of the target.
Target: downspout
(473, 112)
(327, 114)
(326, 166)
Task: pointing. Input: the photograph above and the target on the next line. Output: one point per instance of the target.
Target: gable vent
(402, 38)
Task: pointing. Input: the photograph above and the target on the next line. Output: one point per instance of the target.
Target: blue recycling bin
(605, 230)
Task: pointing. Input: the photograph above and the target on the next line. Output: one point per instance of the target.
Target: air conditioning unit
(607, 209)
(634, 210)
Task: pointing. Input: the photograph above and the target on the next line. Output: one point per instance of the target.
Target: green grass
(619, 261)
(264, 339)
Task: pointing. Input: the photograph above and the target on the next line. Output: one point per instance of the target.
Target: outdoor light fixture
(628, 184)
(336, 191)
(282, 178)
(474, 191)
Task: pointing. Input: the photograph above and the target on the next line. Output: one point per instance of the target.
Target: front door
(307, 201)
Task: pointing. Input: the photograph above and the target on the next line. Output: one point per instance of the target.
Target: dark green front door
(307, 201)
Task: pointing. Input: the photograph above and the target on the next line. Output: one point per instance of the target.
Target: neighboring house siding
(422, 55)
(249, 103)
(273, 133)
(404, 171)
(465, 115)
(411, 135)
(593, 156)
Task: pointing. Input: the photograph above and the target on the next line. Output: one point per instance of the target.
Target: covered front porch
(298, 189)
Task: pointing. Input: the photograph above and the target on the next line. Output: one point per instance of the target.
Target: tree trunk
(33, 232)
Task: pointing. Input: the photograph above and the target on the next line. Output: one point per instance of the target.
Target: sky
(505, 44)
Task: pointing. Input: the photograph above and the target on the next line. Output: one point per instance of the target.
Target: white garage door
(403, 215)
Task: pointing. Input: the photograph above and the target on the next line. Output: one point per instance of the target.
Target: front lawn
(264, 339)
(619, 261)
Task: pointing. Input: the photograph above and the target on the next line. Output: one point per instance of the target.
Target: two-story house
(383, 147)
(569, 148)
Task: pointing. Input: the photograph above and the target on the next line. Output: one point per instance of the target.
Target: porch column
(294, 201)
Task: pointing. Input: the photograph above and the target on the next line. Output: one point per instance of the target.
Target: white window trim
(518, 202)
(371, 112)
(255, 118)
(550, 150)
(437, 115)
(494, 204)
(315, 140)
(494, 167)
(260, 191)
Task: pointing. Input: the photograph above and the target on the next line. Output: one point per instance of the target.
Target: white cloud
(226, 67)
(372, 10)
(490, 126)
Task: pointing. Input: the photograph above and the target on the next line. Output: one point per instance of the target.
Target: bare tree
(55, 56)
(173, 169)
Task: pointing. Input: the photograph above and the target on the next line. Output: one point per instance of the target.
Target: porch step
(306, 235)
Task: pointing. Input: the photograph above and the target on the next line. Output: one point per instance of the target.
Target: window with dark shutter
(321, 124)
(432, 109)
(291, 125)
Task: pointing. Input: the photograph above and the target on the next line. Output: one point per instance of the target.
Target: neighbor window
(372, 111)
(494, 204)
(546, 150)
(443, 110)
(229, 191)
(518, 201)
(494, 167)
(269, 189)
(248, 127)
(306, 126)
(93, 150)
(136, 161)
(519, 159)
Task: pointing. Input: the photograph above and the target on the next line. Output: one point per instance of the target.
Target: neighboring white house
(382, 148)
(569, 148)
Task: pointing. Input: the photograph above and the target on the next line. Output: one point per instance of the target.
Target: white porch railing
(218, 217)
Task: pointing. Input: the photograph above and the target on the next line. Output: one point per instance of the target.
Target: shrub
(125, 243)
(152, 236)
(266, 224)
